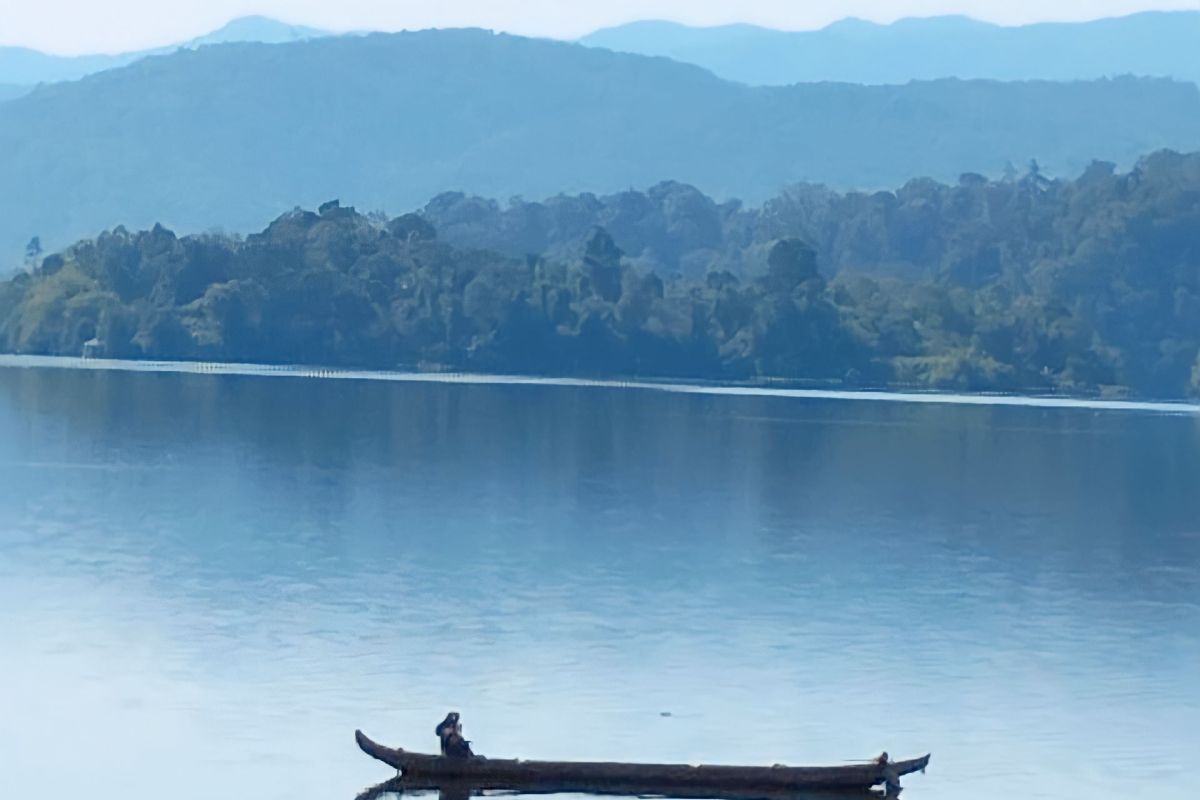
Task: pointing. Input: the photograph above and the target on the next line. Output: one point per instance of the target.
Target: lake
(207, 582)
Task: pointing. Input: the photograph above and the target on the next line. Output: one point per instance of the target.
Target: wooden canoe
(597, 776)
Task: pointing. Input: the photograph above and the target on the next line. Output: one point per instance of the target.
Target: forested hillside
(227, 135)
(1084, 286)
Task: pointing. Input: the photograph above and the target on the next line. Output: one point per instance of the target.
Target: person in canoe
(891, 781)
(449, 732)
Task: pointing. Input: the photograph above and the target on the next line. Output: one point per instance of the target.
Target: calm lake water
(208, 582)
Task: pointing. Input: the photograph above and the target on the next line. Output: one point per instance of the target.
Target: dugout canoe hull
(515, 774)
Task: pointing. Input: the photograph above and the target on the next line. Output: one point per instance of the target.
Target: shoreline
(10, 361)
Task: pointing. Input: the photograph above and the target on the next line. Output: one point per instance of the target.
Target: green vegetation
(1084, 286)
(228, 135)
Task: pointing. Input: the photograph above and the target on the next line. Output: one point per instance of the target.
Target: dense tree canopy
(1083, 286)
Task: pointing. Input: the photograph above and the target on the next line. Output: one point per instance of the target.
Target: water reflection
(399, 788)
(235, 572)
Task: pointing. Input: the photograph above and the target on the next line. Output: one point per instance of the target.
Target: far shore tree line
(1088, 286)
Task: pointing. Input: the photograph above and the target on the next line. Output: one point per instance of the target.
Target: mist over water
(207, 582)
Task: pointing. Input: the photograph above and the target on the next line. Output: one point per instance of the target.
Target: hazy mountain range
(21, 68)
(1161, 44)
(231, 135)
(1165, 44)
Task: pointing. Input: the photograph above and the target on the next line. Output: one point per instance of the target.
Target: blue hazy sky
(84, 26)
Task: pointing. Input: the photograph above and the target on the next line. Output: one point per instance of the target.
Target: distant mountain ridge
(23, 67)
(10, 90)
(1157, 43)
(263, 30)
(851, 50)
(232, 135)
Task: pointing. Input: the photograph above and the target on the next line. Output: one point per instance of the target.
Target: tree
(1088, 285)
(483, 303)
(33, 251)
(790, 263)
(602, 266)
